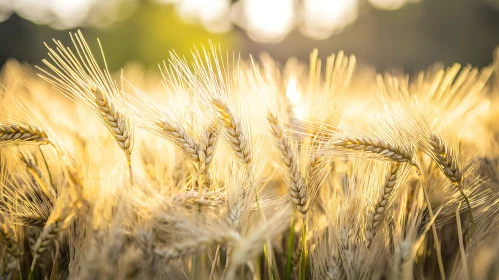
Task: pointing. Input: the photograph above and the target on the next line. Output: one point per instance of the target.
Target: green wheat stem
(291, 240)
(47, 167)
(304, 253)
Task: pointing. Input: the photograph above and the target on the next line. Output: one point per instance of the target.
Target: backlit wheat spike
(206, 147)
(237, 138)
(50, 232)
(22, 134)
(191, 246)
(180, 138)
(7, 237)
(79, 77)
(117, 123)
(378, 148)
(384, 202)
(448, 162)
(193, 198)
(37, 176)
(296, 185)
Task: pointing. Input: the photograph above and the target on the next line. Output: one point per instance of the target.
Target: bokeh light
(390, 4)
(322, 18)
(263, 20)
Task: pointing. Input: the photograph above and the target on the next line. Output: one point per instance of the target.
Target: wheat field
(222, 167)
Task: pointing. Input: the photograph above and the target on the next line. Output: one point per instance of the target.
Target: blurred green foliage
(156, 31)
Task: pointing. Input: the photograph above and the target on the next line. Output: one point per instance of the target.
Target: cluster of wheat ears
(218, 167)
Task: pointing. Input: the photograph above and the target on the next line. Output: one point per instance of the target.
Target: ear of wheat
(22, 134)
(237, 137)
(297, 186)
(8, 238)
(79, 77)
(378, 148)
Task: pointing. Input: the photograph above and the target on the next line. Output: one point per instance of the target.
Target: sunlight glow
(294, 97)
(292, 93)
(322, 18)
(267, 21)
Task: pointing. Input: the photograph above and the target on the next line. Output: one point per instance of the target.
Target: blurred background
(387, 34)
